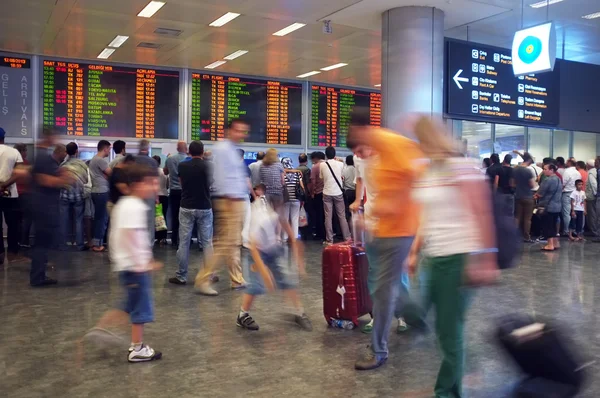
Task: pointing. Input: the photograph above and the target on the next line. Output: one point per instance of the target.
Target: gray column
(412, 63)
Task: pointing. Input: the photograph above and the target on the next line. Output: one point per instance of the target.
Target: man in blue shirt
(231, 187)
(171, 169)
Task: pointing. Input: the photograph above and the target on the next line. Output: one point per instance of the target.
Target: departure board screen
(110, 101)
(272, 108)
(331, 111)
(481, 84)
(16, 88)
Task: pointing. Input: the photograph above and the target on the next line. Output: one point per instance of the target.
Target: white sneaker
(402, 326)
(206, 290)
(144, 354)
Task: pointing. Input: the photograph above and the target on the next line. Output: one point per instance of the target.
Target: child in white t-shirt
(578, 212)
(268, 270)
(131, 257)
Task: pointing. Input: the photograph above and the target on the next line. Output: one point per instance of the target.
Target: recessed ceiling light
(215, 64)
(289, 29)
(118, 41)
(107, 52)
(151, 9)
(592, 16)
(330, 67)
(378, 85)
(544, 3)
(314, 72)
(230, 16)
(236, 54)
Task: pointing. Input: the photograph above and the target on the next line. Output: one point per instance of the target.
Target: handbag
(302, 219)
(299, 191)
(160, 224)
(539, 210)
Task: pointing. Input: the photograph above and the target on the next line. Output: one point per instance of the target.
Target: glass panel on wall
(584, 145)
(478, 138)
(561, 144)
(540, 141)
(508, 139)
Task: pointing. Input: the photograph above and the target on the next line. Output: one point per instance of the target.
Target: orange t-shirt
(394, 174)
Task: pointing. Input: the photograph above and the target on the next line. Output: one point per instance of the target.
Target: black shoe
(369, 362)
(45, 282)
(177, 281)
(304, 322)
(246, 322)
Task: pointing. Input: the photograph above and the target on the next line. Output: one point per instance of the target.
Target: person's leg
(27, 220)
(45, 229)
(187, 219)
(591, 217)
(100, 217)
(236, 222)
(246, 227)
(286, 216)
(65, 221)
(338, 202)
(11, 216)
(566, 211)
(79, 209)
(579, 224)
(2, 212)
(319, 211)
(528, 206)
(175, 203)
(204, 225)
(220, 207)
(294, 213)
(328, 211)
(519, 208)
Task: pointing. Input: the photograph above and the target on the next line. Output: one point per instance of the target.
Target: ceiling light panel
(236, 54)
(215, 64)
(151, 9)
(107, 52)
(592, 16)
(230, 16)
(544, 3)
(331, 67)
(314, 72)
(118, 41)
(289, 29)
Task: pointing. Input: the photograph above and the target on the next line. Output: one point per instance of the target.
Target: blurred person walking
(333, 196)
(570, 176)
(47, 182)
(24, 191)
(349, 178)
(255, 168)
(524, 180)
(100, 172)
(291, 208)
(305, 170)
(10, 159)
(231, 186)
(272, 177)
(72, 199)
(316, 192)
(591, 190)
(143, 158)
(163, 197)
(196, 209)
(503, 185)
(171, 169)
(455, 234)
(549, 198)
(395, 226)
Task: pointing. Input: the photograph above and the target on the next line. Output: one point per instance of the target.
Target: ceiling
(83, 28)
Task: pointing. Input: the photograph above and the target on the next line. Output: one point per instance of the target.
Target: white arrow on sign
(458, 79)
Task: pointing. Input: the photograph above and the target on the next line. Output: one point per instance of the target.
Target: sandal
(547, 250)
(98, 249)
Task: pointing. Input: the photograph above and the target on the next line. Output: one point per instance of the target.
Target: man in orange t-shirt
(396, 218)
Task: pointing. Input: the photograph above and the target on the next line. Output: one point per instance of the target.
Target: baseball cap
(2, 133)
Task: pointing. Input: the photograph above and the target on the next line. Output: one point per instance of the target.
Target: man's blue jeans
(386, 268)
(71, 216)
(203, 219)
(100, 217)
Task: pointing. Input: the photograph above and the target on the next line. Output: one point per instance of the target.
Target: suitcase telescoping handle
(358, 230)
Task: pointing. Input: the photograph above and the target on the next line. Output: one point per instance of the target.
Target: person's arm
(585, 207)
(359, 195)
(516, 152)
(166, 168)
(251, 188)
(295, 246)
(496, 180)
(532, 183)
(572, 207)
(593, 181)
(16, 175)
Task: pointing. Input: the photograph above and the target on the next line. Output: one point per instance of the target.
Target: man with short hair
(10, 158)
(255, 168)
(231, 184)
(119, 150)
(333, 195)
(72, 201)
(47, 180)
(99, 173)
(195, 210)
(570, 176)
(143, 158)
(172, 170)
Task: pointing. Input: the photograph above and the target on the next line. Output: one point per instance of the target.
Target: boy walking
(131, 255)
(578, 212)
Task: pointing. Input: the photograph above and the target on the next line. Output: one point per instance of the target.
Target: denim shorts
(138, 301)
(284, 276)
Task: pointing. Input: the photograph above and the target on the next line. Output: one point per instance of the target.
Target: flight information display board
(16, 87)
(110, 101)
(272, 108)
(481, 85)
(331, 111)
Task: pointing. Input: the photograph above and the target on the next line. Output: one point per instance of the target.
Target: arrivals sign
(534, 50)
(16, 96)
(480, 85)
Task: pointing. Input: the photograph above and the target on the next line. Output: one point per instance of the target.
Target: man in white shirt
(333, 197)
(9, 197)
(570, 175)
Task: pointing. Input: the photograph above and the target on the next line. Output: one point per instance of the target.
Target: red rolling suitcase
(345, 291)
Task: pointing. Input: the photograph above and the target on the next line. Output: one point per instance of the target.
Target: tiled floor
(206, 355)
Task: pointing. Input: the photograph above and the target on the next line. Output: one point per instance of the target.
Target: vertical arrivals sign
(16, 96)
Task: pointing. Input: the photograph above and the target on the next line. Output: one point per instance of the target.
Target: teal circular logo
(530, 49)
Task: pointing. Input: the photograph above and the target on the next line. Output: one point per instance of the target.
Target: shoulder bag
(335, 178)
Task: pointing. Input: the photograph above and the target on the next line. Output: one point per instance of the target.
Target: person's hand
(585, 212)
(298, 250)
(355, 206)
(573, 215)
(411, 263)
(269, 283)
(156, 265)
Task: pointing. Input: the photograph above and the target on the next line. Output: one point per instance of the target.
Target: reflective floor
(206, 355)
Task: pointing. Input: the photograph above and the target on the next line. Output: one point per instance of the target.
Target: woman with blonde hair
(456, 231)
(272, 176)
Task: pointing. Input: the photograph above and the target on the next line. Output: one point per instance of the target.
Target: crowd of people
(426, 209)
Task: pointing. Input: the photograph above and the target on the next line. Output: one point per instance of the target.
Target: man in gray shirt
(171, 169)
(119, 149)
(255, 169)
(524, 180)
(99, 173)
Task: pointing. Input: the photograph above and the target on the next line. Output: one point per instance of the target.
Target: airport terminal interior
(511, 80)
